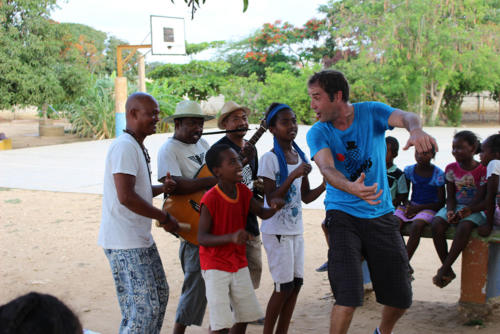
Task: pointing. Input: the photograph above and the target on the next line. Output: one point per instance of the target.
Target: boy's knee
(437, 225)
(418, 225)
(288, 287)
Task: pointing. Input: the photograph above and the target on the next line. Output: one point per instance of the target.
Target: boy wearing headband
(284, 170)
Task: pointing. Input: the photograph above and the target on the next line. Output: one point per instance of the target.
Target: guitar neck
(256, 136)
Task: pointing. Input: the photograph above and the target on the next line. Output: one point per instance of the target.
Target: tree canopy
(418, 49)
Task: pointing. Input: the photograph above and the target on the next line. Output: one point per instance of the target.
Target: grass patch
(13, 201)
(4, 189)
(475, 322)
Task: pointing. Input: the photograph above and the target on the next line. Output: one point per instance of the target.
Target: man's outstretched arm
(422, 141)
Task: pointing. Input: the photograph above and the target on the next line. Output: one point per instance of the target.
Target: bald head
(142, 111)
(137, 101)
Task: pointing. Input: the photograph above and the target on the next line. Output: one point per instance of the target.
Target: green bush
(244, 91)
(93, 113)
(167, 99)
(285, 87)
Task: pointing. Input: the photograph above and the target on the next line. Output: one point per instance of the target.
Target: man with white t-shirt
(127, 210)
(181, 157)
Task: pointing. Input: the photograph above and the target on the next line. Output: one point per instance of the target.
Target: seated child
(489, 198)
(284, 171)
(222, 238)
(397, 181)
(427, 197)
(463, 178)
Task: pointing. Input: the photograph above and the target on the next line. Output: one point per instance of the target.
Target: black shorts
(379, 241)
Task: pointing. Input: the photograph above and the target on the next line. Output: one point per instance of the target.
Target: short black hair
(331, 81)
(393, 143)
(212, 158)
(272, 121)
(38, 313)
(493, 142)
(470, 137)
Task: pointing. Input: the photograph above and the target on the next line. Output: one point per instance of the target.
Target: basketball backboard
(167, 35)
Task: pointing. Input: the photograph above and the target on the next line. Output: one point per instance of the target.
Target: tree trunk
(437, 104)
(422, 106)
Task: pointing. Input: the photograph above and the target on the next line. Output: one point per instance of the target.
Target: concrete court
(79, 167)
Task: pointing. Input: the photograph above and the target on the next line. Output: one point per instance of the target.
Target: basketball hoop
(167, 36)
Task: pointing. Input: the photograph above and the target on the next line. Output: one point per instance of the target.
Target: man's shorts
(285, 256)
(478, 218)
(379, 241)
(227, 290)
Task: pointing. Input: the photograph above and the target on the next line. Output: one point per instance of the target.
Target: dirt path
(49, 244)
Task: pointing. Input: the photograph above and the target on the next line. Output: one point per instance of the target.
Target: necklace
(144, 150)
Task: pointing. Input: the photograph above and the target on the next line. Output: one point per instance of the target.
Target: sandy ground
(49, 244)
(24, 133)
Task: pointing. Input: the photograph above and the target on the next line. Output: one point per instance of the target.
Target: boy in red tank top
(222, 238)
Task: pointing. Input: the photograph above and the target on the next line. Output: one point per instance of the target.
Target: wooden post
(120, 100)
(121, 83)
(474, 272)
(142, 74)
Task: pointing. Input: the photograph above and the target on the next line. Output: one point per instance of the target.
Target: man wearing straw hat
(180, 158)
(235, 117)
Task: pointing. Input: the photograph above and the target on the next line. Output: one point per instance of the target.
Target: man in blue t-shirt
(348, 146)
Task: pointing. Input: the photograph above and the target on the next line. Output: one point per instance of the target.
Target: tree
(195, 4)
(418, 47)
(30, 70)
(194, 48)
(198, 79)
(280, 46)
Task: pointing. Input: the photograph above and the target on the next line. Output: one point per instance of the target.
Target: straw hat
(227, 109)
(188, 108)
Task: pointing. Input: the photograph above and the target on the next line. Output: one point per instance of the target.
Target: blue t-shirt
(424, 189)
(359, 148)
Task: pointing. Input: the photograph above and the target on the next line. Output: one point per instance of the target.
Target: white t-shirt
(181, 159)
(494, 168)
(120, 227)
(288, 220)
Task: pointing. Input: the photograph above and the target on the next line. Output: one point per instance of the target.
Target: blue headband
(277, 148)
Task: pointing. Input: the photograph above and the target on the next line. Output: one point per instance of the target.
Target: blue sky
(129, 20)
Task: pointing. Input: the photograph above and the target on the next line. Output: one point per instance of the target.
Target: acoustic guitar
(186, 208)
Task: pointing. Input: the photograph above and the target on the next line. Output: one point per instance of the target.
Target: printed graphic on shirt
(290, 207)
(352, 161)
(198, 158)
(465, 186)
(247, 176)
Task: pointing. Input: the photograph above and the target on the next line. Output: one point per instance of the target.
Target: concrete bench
(480, 280)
